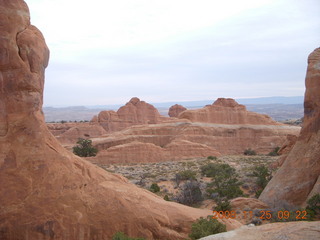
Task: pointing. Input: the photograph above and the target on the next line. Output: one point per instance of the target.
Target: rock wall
(182, 140)
(299, 176)
(47, 192)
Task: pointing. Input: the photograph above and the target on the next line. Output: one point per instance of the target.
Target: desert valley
(216, 172)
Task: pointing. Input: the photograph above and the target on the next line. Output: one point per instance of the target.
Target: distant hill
(279, 108)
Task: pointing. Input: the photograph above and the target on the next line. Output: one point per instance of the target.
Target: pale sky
(105, 52)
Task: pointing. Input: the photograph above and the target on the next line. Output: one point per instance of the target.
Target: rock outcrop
(135, 112)
(69, 133)
(47, 192)
(292, 231)
(182, 140)
(226, 111)
(285, 150)
(175, 110)
(299, 176)
(134, 152)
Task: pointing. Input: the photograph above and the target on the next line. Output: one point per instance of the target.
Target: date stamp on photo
(263, 215)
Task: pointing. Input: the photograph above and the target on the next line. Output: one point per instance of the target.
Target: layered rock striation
(47, 192)
(182, 140)
(299, 177)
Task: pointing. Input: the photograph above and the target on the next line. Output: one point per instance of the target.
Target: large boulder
(299, 177)
(47, 192)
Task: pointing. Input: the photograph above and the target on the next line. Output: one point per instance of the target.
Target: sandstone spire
(299, 176)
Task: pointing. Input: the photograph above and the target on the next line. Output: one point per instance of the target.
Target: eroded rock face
(182, 140)
(142, 152)
(226, 111)
(175, 110)
(47, 192)
(135, 112)
(298, 178)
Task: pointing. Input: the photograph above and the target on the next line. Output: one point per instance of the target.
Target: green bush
(263, 176)
(84, 148)
(314, 202)
(313, 207)
(223, 205)
(186, 175)
(225, 180)
(122, 236)
(166, 197)
(154, 188)
(274, 152)
(205, 227)
(249, 152)
(258, 193)
(211, 158)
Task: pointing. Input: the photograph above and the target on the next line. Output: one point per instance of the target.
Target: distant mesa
(175, 110)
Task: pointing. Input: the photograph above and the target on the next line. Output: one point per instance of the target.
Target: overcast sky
(105, 52)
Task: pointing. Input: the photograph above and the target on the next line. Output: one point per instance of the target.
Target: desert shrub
(223, 205)
(166, 197)
(84, 148)
(190, 194)
(274, 152)
(313, 207)
(211, 158)
(122, 236)
(258, 193)
(186, 175)
(314, 202)
(249, 152)
(263, 176)
(154, 188)
(225, 180)
(205, 227)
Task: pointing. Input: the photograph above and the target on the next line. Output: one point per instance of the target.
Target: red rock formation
(181, 140)
(175, 110)
(69, 133)
(135, 151)
(135, 112)
(285, 150)
(298, 178)
(226, 111)
(244, 204)
(47, 192)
